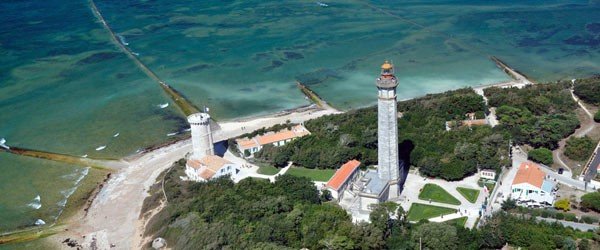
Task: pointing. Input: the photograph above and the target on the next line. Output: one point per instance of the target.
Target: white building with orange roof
(531, 188)
(249, 146)
(203, 164)
(208, 167)
(343, 179)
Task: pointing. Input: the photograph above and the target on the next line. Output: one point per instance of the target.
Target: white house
(531, 188)
(343, 178)
(249, 146)
(208, 167)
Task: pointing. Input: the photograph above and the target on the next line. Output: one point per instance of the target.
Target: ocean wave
(122, 40)
(36, 203)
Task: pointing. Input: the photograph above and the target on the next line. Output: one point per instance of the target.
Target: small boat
(322, 4)
(187, 130)
(84, 156)
(172, 134)
(116, 135)
(163, 105)
(100, 148)
(135, 53)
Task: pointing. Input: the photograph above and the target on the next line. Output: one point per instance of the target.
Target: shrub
(541, 155)
(571, 217)
(597, 116)
(562, 204)
(588, 89)
(559, 216)
(545, 214)
(536, 212)
(591, 201)
(589, 219)
(584, 244)
(579, 148)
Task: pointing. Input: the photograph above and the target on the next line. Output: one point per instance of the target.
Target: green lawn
(436, 193)
(458, 221)
(469, 193)
(490, 186)
(313, 174)
(267, 170)
(420, 211)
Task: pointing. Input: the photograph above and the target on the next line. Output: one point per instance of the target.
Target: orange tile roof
(342, 174)
(208, 165)
(296, 131)
(246, 143)
(531, 173)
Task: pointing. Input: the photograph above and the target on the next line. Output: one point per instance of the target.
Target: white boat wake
(36, 203)
(172, 134)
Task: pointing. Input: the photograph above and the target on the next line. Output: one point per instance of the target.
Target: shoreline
(169, 152)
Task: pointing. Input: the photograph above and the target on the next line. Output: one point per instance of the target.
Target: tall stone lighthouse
(387, 129)
(202, 141)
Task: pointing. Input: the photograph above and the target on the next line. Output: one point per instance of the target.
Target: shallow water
(64, 87)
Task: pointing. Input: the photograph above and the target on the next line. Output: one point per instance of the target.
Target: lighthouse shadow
(221, 147)
(404, 150)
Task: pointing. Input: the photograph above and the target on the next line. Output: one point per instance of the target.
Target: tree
(509, 204)
(579, 148)
(436, 236)
(591, 201)
(597, 116)
(541, 155)
(584, 244)
(563, 204)
(337, 243)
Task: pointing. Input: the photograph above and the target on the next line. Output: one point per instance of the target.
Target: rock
(159, 243)
(40, 222)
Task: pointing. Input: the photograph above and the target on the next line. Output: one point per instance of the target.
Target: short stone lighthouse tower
(387, 129)
(202, 141)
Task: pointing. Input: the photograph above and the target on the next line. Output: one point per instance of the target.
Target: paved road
(575, 225)
(593, 166)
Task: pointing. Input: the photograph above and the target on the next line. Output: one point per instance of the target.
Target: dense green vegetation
(541, 155)
(312, 174)
(436, 193)
(591, 201)
(424, 142)
(289, 214)
(469, 193)
(597, 116)
(579, 148)
(588, 89)
(418, 211)
(539, 115)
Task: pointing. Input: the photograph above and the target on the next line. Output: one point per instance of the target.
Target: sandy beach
(113, 217)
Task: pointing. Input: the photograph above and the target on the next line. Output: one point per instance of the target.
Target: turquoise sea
(65, 87)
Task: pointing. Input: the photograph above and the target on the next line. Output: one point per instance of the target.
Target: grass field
(313, 174)
(458, 221)
(436, 193)
(469, 193)
(268, 170)
(420, 211)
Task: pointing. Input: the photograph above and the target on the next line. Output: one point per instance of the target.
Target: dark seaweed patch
(318, 76)
(195, 68)
(580, 40)
(593, 28)
(98, 57)
(292, 55)
(274, 64)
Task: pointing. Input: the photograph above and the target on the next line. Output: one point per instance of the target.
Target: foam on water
(36, 203)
